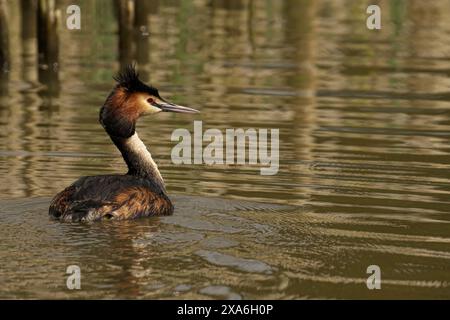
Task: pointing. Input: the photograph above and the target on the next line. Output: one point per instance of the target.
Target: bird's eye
(150, 100)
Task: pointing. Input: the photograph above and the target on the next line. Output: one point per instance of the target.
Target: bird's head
(129, 100)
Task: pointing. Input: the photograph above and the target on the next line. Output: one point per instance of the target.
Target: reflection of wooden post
(300, 35)
(228, 4)
(142, 31)
(423, 15)
(299, 32)
(28, 9)
(125, 16)
(48, 44)
(4, 47)
(153, 8)
(132, 16)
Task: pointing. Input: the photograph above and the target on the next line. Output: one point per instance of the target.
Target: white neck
(139, 159)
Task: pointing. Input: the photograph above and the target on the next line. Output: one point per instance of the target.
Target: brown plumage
(116, 197)
(141, 192)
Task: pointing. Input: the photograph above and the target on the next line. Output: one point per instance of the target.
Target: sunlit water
(364, 119)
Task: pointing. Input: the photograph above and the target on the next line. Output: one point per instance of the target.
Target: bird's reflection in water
(117, 245)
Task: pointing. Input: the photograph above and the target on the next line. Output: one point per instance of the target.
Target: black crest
(128, 78)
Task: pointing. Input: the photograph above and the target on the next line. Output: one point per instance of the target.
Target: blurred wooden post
(48, 44)
(4, 47)
(125, 16)
(228, 4)
(142, 32)
(28, 10)
(300, 35)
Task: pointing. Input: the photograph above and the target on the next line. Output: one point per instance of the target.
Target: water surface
(364, 119)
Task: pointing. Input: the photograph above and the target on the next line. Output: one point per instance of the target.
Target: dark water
(364, 119)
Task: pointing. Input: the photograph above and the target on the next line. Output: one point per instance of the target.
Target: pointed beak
(171, 107)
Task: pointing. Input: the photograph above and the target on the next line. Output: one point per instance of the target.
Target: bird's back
(116, 197)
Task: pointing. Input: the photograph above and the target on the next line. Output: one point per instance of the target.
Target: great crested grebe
(140, 192)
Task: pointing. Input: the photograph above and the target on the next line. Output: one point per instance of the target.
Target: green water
(364, 120)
